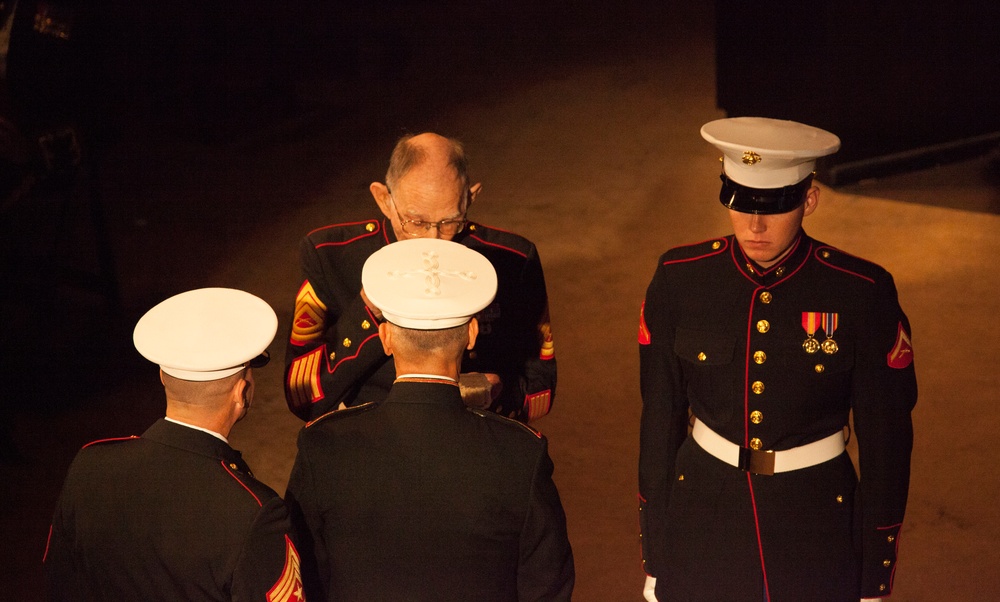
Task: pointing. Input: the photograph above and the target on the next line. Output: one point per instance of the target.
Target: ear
(380, 192)
(473, 332)
(812, 200)
(385, 335)
(239, 391)
(474, 191)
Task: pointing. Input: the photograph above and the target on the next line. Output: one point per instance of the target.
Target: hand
(871, 599)
(375, 311)
(649, 589)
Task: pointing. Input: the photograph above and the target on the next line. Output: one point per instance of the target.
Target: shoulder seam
(372, 228)
(817, 254)
(240, 481)
(111, 440)
(342, 412)
(498, 417)
(723, 246)
(499, 246)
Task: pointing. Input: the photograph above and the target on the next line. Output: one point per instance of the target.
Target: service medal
(829, 327)
(810, 322)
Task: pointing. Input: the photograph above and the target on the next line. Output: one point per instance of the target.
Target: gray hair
(431, 342)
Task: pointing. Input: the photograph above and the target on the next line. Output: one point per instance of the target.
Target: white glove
(871, 599)
(476, 390)
(649, 589)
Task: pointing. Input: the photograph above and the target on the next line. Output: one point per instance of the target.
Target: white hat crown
(428, 283)
(205, 334)
(764, 153)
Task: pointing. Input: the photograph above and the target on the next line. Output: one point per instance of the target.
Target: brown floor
(594, 153)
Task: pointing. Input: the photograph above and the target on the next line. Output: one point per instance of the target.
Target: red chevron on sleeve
(901, 355)
(644, 338)
(288, 588)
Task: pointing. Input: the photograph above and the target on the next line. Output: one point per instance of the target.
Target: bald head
(431, 157)
(427, 183)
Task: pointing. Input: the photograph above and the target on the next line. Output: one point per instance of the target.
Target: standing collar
(425, 391)
(424, 377)
(784, 269)
(182, 436)
(197, 428)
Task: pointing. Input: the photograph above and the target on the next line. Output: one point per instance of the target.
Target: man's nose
(435, 232)
(758, 223)
(431, 231)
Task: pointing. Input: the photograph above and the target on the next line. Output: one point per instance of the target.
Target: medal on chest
(810, 322)
(830, 320)
(813, 321)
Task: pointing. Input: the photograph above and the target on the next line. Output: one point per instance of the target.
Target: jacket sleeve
(664, 421)
(883, 396)
(63, 578)
(332, 349)
(308, 528)
(268, 567)
(529, 393)
(545, 567)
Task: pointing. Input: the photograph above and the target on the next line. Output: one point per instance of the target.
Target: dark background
(904, 85)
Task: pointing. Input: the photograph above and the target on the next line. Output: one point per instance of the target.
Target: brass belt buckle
(757, 462)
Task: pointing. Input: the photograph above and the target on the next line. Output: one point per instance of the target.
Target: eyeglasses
(418, 227)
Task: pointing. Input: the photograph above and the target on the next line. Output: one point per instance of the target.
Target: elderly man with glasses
(334, 358)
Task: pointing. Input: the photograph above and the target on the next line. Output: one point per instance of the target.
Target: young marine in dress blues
(756, 350)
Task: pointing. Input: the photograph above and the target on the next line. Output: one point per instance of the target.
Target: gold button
(333, 355)
(370, 226)
(891, 538)
(716, 244)
(702, 357)
(759, 357)
(780, 271)
(472, 227)
(365, 325)
(763, 326)
(750, 268)
(887, 563)
(756, 417)
(233, 466)
(347, 342)
(881, 587)
(757, 387)
(819, 368)
(765, 297)
(840, 499)
(825, 254)
(680, 477)
(756, 444)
